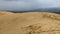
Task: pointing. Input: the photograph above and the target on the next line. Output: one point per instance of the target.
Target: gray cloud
(27, 4)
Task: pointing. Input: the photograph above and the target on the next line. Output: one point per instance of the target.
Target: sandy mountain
(29, 23)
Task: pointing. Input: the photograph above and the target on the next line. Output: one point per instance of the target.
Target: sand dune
(29, 23)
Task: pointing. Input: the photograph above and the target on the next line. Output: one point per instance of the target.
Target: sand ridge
(29, 23)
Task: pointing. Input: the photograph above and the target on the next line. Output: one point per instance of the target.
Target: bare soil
(29, 23)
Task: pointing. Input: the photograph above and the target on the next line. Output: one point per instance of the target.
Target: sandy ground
(29, 23)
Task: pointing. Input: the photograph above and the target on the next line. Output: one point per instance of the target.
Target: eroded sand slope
(29, 23)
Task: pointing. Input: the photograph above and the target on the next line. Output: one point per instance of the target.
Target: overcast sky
(20, 5)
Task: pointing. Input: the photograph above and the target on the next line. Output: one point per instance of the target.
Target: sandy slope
(29, 23)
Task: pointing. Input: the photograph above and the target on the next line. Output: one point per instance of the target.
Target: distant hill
(55, 10)
(48, 10)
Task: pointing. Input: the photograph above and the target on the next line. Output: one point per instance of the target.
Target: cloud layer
(22, 5)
